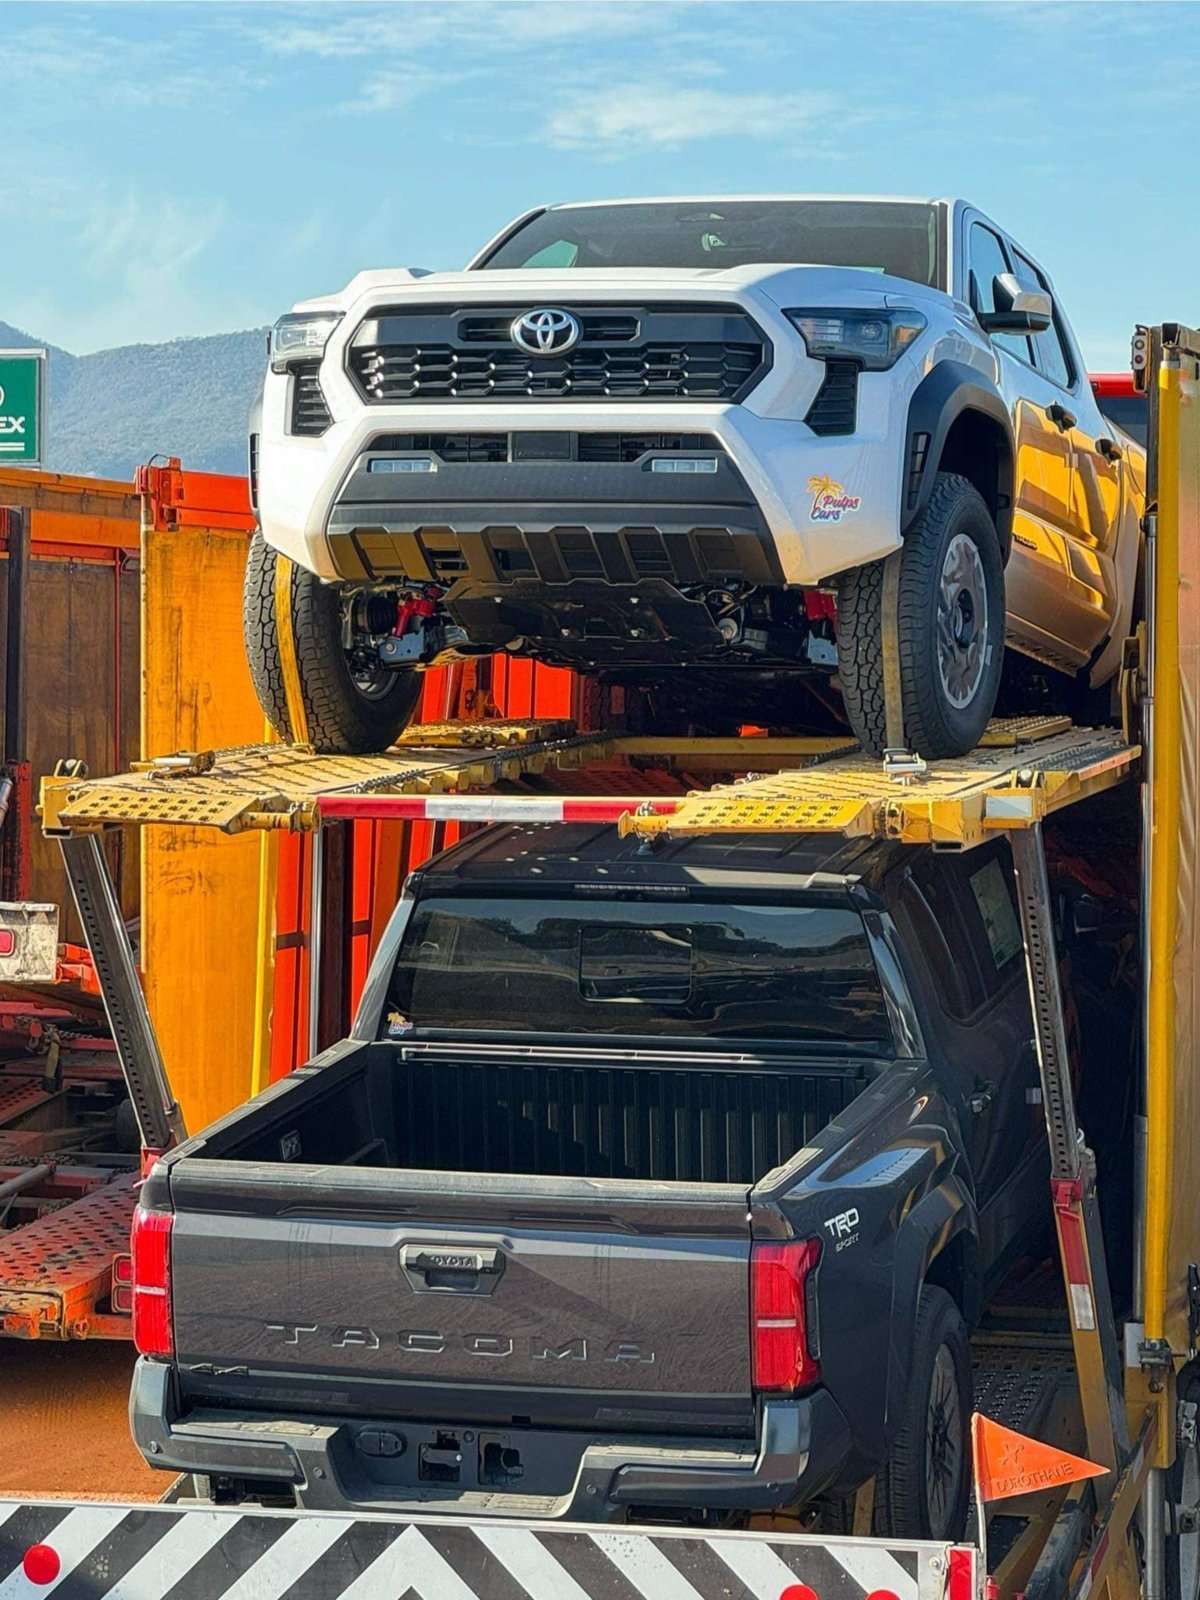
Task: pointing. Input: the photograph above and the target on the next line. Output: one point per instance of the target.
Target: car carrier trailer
(1110, 1534)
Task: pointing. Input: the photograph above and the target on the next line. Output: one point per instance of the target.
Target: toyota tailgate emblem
(546, 332)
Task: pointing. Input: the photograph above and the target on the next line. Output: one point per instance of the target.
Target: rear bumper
(348, 1463)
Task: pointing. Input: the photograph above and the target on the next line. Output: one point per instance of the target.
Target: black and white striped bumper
(156, 1552)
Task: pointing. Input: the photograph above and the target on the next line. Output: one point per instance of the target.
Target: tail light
(783, 1315)
(150, 1248)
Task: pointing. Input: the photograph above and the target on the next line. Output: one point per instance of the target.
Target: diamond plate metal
(55, 1272)
(485, 735)
(1008, 732)
(955, 804)
(280, 786)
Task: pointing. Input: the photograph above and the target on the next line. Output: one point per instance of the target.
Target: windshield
(795, 973)
(897, 237)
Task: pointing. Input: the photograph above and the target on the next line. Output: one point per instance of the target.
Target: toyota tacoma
(674, 442)
(651, 1183)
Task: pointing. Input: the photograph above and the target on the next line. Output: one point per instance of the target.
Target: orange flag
(1008, 1463)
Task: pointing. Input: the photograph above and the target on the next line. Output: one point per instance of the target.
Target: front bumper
(779, 461)
(549, 516)
(349, 1463)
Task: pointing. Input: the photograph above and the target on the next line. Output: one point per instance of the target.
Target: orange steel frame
(56, 1271)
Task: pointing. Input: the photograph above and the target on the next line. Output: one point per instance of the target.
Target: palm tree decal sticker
(830, 500)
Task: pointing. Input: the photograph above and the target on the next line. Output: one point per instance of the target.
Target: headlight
(301, 337)
(876, 339)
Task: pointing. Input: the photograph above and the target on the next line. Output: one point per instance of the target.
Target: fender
(945, 1214)
(942, 396)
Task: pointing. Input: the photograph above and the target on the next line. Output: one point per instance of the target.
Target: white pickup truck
(675, 442)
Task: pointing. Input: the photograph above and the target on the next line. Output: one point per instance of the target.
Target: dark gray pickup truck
(653, 1182)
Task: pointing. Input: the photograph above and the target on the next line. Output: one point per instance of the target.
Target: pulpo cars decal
(830, 501)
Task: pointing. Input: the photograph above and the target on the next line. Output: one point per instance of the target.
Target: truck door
(1094, 519)
(963, 911)
(1043, 593)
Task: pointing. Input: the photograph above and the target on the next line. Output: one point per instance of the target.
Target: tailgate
(599, 1301)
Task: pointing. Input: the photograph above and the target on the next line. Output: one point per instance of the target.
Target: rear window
(1127, 411)
(794, 974)
(964, 914)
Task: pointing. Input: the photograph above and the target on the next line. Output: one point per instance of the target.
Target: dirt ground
(63, 1424)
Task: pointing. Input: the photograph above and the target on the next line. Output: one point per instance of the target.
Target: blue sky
(173, 169)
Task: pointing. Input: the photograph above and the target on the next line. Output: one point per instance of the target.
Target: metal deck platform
(279, 786)
(952, 803)
(56, 1272)
(1025, 768)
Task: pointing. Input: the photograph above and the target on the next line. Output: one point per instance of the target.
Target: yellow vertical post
(264, 962)
(1164, 863)
(207, 901)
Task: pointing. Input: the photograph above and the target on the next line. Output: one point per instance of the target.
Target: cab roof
(527, 856)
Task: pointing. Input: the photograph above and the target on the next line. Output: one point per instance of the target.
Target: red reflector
(883, 1594)
(799, 1591)
(962, 1575)
(8, 943)
(781, 1285)
(150, 1247)
(41, 1564)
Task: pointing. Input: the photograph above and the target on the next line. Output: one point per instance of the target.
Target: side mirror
(1020, 308)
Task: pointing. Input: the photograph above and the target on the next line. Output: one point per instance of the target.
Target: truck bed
(570, 1113)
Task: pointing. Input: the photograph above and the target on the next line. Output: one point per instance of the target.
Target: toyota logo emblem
(546, 333)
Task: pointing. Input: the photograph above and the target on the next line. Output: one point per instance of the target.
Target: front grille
(310, 413)
(497, 448)
(835, 410)
(632, 446)
(417, 354)
(494, 329)
(394, 373)
(449, 447)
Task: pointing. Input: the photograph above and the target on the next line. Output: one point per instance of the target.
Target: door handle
(1060, 416)
(450, 1268)
(982, 1097)
(1108, 448)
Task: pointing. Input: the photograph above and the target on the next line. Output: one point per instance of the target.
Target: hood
(780, 285)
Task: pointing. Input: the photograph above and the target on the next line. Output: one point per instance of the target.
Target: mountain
(190, 398)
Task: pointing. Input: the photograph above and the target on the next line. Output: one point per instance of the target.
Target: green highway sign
(22, 407)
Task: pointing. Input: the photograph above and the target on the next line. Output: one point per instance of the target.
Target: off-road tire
(341, 718)
(902, 1500)
(933, 725)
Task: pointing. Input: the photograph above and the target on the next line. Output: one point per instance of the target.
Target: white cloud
(145, 242)
(468, 26)
(612, 120)
(393, 88)
(134, 257)
(59, 64)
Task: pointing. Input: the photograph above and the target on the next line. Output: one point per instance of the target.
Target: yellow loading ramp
(1026, 770)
